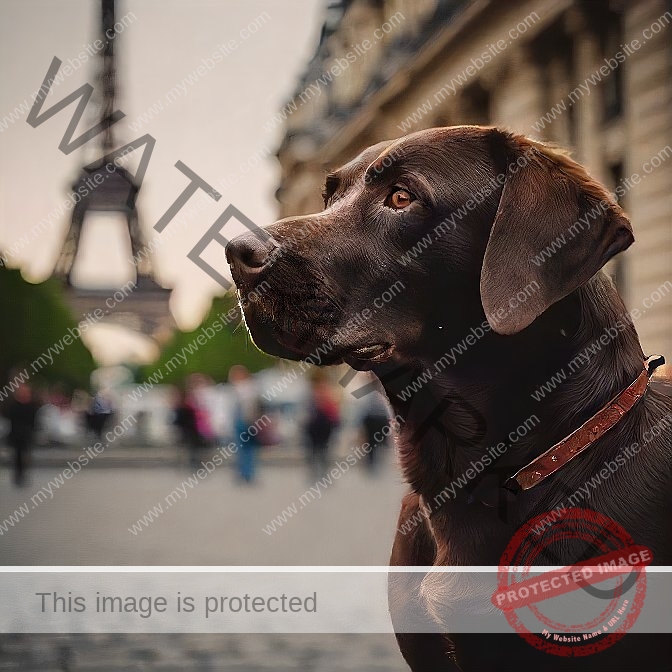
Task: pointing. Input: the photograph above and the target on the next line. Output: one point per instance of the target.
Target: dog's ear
(555, 227)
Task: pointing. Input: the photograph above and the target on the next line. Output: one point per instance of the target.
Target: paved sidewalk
(217, 522)
(201, 653)
(220, 522)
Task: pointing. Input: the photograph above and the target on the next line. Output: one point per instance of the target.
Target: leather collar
(558, 455)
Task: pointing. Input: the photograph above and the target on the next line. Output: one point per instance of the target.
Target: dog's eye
(399, 199)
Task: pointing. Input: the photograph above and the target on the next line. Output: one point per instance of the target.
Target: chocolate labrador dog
(462, 266)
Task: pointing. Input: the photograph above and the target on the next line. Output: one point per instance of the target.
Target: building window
(553, 55)
(611, 38)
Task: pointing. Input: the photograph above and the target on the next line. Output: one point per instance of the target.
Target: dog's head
(437, 231)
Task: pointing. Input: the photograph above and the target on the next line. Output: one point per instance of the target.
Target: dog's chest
(464, 537)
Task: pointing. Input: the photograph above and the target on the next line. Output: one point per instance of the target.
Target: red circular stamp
(563, 611)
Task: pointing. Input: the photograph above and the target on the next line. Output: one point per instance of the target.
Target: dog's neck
(512, 397)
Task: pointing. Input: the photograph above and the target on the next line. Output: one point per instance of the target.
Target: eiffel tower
(145, 308)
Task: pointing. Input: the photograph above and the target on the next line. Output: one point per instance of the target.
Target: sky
(215, 127)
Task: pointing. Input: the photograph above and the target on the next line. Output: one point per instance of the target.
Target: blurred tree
(223, 347)
(34, 319)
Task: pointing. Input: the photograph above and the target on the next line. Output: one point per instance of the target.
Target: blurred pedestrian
(185, 420)
(246, 415)
(100, 413)
(21, 411)
(375, 417)
(198, 388)
(193, 418)
(323, 419)
(56, 421)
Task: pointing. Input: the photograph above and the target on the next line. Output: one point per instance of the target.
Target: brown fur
(354, 249)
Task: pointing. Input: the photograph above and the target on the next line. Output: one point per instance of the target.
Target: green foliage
(34, 318)
(221, 349)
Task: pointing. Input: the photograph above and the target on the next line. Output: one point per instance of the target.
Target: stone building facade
(592, 75)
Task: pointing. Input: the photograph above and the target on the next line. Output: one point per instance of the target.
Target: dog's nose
(249, 251)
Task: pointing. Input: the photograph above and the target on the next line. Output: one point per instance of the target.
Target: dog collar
(558, 455)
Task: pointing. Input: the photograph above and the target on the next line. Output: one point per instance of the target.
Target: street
(201, 653)
(217, 522)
